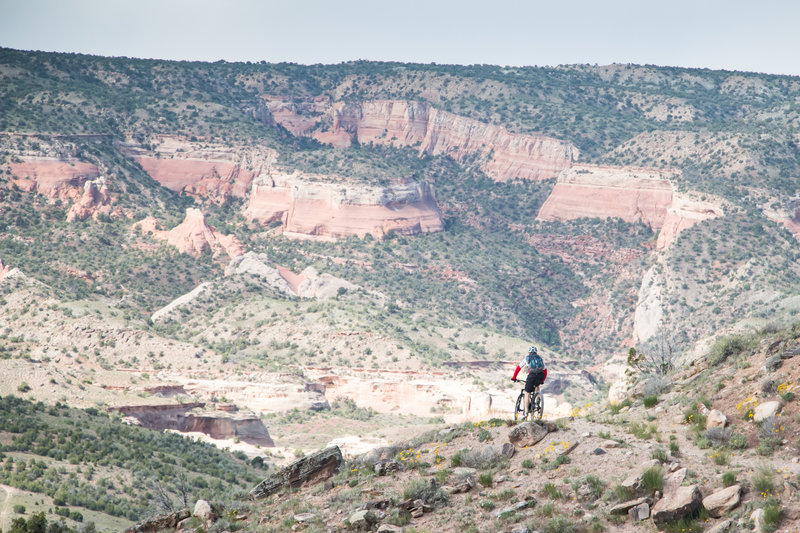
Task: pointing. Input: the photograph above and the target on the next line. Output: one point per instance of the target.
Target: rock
(521, 530)
(766, 410)
(362, 520)
(773, 363)
(674, 480)
(716, 418)
(203, 511)
(570, 448)
(416, 512)
(311, 469)
(527, 434)
(508, 450)
(389, 528)
(757, 517)
(508, 511)
(302, 518)
(722, 500)
(640, 512)
(384, 467)
(598, 451)
(788, 354)
(680, 503)
(624, 507)
(160, 522)
(634, 481)
(722, 527)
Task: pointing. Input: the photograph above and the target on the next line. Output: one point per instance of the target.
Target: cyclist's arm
(516, 372)
(545, 375)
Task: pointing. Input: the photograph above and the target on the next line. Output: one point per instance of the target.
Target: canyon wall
(503, 155)
(206, 170)
(592, 191)
(311, 207)
(52, 177)
(191, 418)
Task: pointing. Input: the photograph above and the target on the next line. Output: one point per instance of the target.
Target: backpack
(535, 362)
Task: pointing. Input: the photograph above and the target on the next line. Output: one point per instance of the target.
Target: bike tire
(538, 407)
(518, 407)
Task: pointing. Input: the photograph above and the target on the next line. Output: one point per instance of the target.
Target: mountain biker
(537, 373)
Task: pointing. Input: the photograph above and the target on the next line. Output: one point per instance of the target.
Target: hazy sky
(761, 36)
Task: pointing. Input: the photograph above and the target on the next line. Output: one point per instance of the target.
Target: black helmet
(532, 350)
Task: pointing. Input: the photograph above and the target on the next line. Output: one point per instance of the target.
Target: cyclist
(537, 373)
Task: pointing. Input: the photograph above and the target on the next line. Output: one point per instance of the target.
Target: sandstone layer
(206, 170)
(194, 236)
(95, 201)
(684, 213)
(52, 177)
(190, 418)
(592, 191)
(503, 155)
(317, 206)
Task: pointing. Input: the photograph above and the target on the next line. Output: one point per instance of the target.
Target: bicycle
(535, 405)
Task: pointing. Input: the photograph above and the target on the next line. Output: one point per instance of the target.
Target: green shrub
(552, 491)
(650, 401)
(19, 509)
(728, 479)
(728, 346)
(653, 479)
(528, 463)
(425, 490)
(399, 517)
(660, 454)
(762, 481)
(484, 435)
(485, 479)
(616, 408)
(737, 441)
(545, 509)
(560, 524)
(457, 459)
(772, 514)
(642, 430)
(674, 449)
(486, 505)
(555, 463)
(623, 493)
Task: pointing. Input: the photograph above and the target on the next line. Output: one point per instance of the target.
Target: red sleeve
(545, 375)
(516, 372)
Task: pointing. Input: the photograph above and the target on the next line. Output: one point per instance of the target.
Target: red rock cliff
(194, 236)
(333, 208)
(592, 191)
(53, 177)
(504, 155)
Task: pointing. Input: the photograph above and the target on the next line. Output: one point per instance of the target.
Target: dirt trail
(9, 493)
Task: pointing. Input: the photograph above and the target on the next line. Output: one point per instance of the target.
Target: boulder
(722, 527)
(634, 481)
(508, 511)
(788, 354)
(716, 418)
(773, 363)
(681, 503)
(766, 410)
(384, 467)
(303, 518)
(675, 479)
(624, 507)
(389, 528)
(508, 450)
(362, 520)
(308, 470)
(757, 517)
(203, 511)
(160, 522)
(722, 500)
(527, 434)
(640, 512)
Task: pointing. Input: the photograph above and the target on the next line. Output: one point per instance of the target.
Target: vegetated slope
(88, 461)
(732, 134)
(590, 469)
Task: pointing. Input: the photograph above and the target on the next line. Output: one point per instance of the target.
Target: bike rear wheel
(518, 411)
(537, 409)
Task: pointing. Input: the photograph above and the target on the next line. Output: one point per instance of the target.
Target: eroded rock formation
(206, 170)
(593, 191)
(318, 206)
(194, 236)
(503, 155)
(684, 212)
(191, 418)
(4, 269)
(306, 471)
(95, 201)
